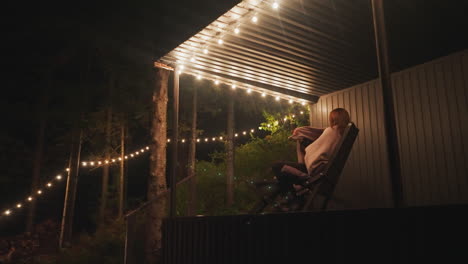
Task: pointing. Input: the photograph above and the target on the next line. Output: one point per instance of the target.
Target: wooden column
(230, 153)
(175, 141)
(192, 204)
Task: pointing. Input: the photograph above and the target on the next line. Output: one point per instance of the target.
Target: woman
(314, 148)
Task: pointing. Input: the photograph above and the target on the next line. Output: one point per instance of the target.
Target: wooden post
(70, 191)
(230, 154)
(389, 109)
(175, 141)
(192, 204)
(122, 170)
(157, 179)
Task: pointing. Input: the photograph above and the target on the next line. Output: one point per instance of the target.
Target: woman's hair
(339, 117)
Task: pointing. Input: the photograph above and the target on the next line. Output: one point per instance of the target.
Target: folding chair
(319, 189)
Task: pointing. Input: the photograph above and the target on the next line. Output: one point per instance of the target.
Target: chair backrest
(337, 162)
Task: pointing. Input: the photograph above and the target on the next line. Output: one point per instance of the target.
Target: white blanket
(318, 152)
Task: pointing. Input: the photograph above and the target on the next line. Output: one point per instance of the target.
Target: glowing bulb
(49, 184)
(277, 98)
(192, 59)
(216, 82)
(198, 77)
(290, 101)
(91, 163)
(198, 140)
(206, 139)
(131, 155)
(251, 130)
(233, 86)
(68, 169)
(263, 94)
(168, 140)
(220, 138)
(113, 160)
(220, 42)
(30, 198)
(302, 112)
(293, 116)
(99, 162)
(303, 103)
(147, 148)
(213, 139)
(106, 161)
(120, 158)
(268, 125)
(285, 119)
(7, 212)
(39, 192)
(126, 157)
(18, 205)
(255, 19)
(249, 90)
(85, 164)
(181, 67)
(236, 31)
(137, 153)
(58, 177)
(183, 140)
(205, 51)
(244, 132)
(236, 135)
(142, 150)
(275, 5)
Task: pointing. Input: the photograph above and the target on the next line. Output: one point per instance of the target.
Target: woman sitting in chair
(314, 148)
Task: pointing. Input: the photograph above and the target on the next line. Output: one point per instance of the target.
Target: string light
(19, 205)
(91, 163)
(290, 101)
(263, 94)
(233, 86)
(84, 164)
(39, 192)
(199, 77)
(49, 184)
(236, 135)
(198, 140)
(244, 133)
(68, 169)
(7, 212)
(255, 19)
(236, 30)
(58, 177)
(216, 82)
(220, 42)
(183, 140)
(249, 90)
(30, 198)
(206, 139)
(205, 51)
(275, 5)
(147, 148)
(277, 98)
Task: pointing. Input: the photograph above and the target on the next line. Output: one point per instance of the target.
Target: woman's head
(339, 117)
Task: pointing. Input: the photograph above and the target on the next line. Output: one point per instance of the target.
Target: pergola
(292, 50)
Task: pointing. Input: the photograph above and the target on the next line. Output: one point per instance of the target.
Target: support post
(122, 170)
(230, 153)
(192, 201)
(70, 191)
(175, 139)
(388, 104)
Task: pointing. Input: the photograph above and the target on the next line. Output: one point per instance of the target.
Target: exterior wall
(431, 104)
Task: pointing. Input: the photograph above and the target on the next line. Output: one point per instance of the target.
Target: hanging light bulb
(198, 140)
(58, 177)
(126, 157)
(39, 192)
(113, 160)
(216, 82)
(303, 103)
(214, 139)
(255, 19)
(205, 51)
(30, 198)
(19, 205)
(302, 112)
(220, 41)
(290, 101)
(142, 150)
(68, 169)
(206, 139)
(233, 86)
(251, 130)
(263, 94)
(131, 155)
(183, 140)
(249, 90)
(91, 163)
(236, 30)
(99, 162)
(244, 132)
(120, 158)
(107, 162)
(236, 135)
(84, 164)
(147, 148)
(168, 140)
(275, 5)
(220, 138)
(7, 212)
(49, 184)
(198, 77)
(277, 98)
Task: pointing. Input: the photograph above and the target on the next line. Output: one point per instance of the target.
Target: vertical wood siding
(431, 105)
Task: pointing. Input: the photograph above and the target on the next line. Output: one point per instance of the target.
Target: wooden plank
(376, 158)
(447, 152)
(437, 139)
(427, 139)
(454, 120)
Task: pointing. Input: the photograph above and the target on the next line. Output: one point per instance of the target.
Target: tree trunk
(105, 168)
(192, 206)
(42, 106)
(122, 170)
(230, 154)
(157, 179)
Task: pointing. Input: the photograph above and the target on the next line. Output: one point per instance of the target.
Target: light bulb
(263, 94)
(220, 42)
(49, 184)
(290, 101)
(275, 5)
(206, 139)
(233, 86)
(7, 212)
(113, 160)
(39, 192)
(142, 150)
(198, 77)
(85, 164)
(30, 198)
(205, 51)
(249, 90)
(99, 162)
(137, 153)
(255, 19)
(58, 177)
(216, 82)
(168, 140)
(251, 130)
(120, 158)
(236, 135)
(302, 112)
(213, 139)
(303, 103)
(147, 148)
(277, 98)
(244, 132)
(183, 140)
(68, 169)
(220, 138)
(236, 31)
(198, 140)
(91, 163)
(126, 157)
(106, 161)
(18, 205)
(131, 155)
(293, 116)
